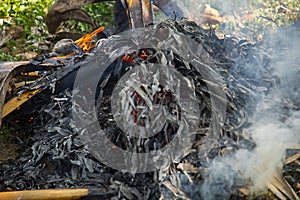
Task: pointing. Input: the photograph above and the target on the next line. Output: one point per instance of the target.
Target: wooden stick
(292, 158)
(135, 12)
(54, 194)
(15, 102)
(147, 12)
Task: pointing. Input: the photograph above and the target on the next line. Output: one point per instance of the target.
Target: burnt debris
(59, 159)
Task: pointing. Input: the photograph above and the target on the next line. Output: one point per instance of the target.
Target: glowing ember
(130, 59)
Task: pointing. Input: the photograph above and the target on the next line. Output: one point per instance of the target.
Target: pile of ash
(59, 159)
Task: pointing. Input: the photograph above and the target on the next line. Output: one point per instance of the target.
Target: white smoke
(275, 126)
(272, 138)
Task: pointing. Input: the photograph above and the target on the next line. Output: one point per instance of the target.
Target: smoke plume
(275, 125)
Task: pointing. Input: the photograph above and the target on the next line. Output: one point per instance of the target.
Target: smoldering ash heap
(222, 156)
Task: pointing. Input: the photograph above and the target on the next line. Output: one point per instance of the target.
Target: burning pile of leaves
(59, 159)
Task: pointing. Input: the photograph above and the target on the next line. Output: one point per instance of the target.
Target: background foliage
(30, 15)
(102, 13)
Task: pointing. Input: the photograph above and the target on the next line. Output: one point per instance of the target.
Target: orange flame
(86, 42)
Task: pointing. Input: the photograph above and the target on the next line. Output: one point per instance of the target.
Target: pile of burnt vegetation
(57, 157)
